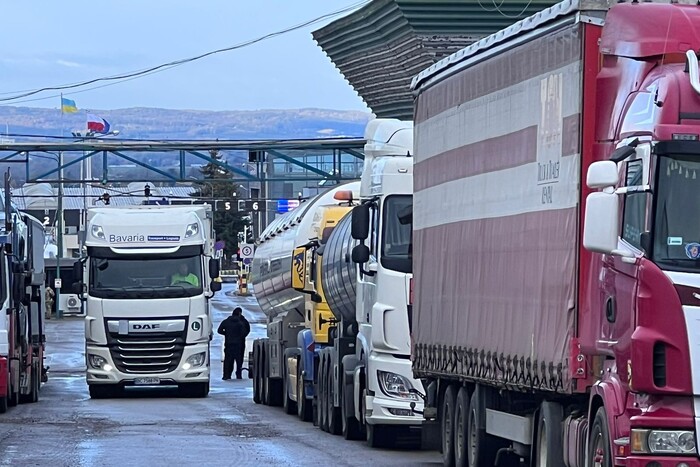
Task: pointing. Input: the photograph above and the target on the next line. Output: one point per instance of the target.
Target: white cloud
(68, 63)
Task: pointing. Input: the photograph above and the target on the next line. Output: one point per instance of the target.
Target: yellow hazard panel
(299, 268)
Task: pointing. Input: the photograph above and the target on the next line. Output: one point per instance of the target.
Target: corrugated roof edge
(530, 23)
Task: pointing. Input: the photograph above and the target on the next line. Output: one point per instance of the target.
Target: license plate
(146, 381)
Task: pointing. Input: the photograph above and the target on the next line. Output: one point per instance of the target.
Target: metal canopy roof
(382, 46)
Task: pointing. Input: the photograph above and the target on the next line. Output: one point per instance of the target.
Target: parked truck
(150, 274)
(556, 284)
(22, 337)
(356, 376)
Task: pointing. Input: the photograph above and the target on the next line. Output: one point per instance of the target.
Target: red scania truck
(556, 240)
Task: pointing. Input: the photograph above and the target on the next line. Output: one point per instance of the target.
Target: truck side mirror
(600, 232)
(213, 267)
(602, 174)
(78, 271)
(360, 222)
(215, 286)
(360, 254)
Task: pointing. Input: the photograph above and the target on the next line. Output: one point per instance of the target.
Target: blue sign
(247, 261)
(286, 205)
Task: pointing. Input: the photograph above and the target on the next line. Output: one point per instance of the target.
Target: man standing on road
(235, 329)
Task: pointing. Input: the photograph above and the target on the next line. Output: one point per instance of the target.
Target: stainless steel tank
(271, 269)
(338, 271)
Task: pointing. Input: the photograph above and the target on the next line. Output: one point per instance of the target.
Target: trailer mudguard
(350, 363)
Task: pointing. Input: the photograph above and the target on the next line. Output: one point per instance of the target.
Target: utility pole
(59, 238)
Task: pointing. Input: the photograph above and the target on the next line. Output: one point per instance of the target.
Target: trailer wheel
(304, 408)
(447, 425)
(334, 426)
(34, 382)
(461, 421)
(288, 404)
(599, 441)
(481, 447)
(550, 450)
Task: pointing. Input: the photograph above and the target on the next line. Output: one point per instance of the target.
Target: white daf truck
(148, 279)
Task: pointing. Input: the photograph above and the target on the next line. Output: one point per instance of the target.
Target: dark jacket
(234, 329)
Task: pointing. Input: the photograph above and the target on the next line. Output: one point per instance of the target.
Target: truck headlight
(192, 230)
(663, 442)
(193, 361)
(395, 385)
(97, 232)
(99, 363)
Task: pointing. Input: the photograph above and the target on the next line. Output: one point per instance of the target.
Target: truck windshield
(677, 219)
(397, 240)
(145, 277)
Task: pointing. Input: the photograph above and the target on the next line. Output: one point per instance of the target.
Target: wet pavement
(158, 428)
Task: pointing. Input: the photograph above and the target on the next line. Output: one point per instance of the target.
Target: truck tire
(447, 424)
(257, 383)
(334, 425)
(350, 427)
(549, 446)
(599, 454)
(100, 391)
(377, 435)
(481, 447)
(195, 390)
(34, 383)
(304, 408)
(322, 399)
(461, 420)
(288, 404)
(3, 404)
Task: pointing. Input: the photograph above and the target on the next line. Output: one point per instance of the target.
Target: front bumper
(382, 409)
(199, 374)
(662, 461)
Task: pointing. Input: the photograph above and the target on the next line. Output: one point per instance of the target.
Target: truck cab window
(634, 219)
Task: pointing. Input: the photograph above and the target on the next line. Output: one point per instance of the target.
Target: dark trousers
(233, 353)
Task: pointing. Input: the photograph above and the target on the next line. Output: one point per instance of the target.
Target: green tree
(218, 184)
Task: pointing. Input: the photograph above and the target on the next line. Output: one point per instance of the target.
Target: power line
(166, 66)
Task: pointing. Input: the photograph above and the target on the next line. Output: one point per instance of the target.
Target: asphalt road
(157, 428)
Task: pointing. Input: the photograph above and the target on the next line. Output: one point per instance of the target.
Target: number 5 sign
(247, 250)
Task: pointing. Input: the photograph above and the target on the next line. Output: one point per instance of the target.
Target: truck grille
(158, 352)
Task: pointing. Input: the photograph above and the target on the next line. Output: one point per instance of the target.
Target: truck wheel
(288, 404)
(100, 391)
(333, 411)
(447, 425)
(195, 390)
(481, 447)
(257, 384)
(599, 442)
(322, 399)
(304, 409)
(550, 450)
(3, 404)
(461, 420)
(33, 395)
(350, 427)
(377, 435)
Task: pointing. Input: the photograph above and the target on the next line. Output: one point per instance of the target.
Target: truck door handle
(610, 310)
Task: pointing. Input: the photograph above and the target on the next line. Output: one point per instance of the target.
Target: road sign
(247, 261)
(247, 250)
(250, 205)
(57, 283)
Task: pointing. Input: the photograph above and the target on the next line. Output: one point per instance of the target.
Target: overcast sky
(47, 42)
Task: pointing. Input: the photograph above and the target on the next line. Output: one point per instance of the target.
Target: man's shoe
(224, 378)
(239, 377)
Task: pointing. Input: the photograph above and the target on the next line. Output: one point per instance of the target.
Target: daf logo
(196, 326)
(143, 327)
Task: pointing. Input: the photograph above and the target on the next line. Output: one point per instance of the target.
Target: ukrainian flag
(68, 106)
